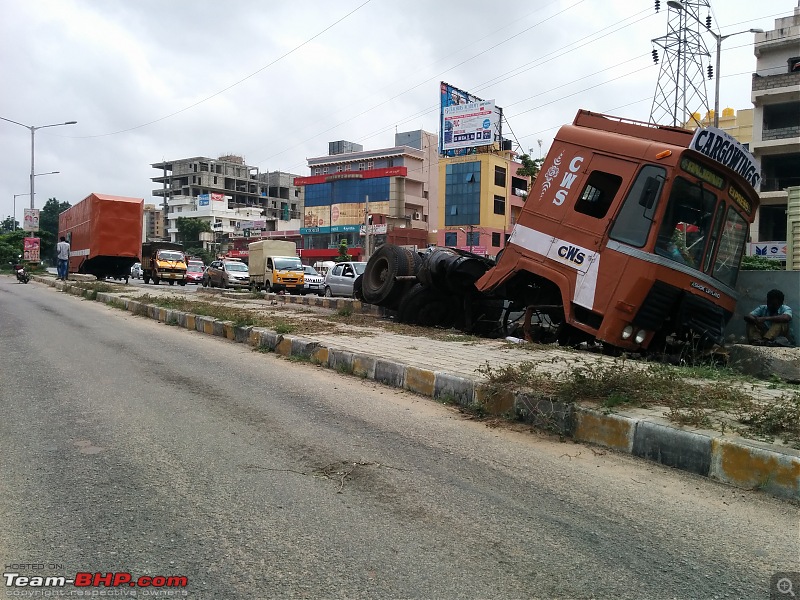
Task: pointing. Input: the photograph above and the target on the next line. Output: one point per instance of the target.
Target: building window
(794, 64)
(598, 194)
(324, 170)
(500, 176)
(499, 205)
(215, 181)
(339, 168)
(451, 239)
(317, 171)
(361, 166)
(370, 165)
(495, 239)
(462, 193)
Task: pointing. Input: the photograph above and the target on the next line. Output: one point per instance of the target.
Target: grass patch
(619, 384)
(346, 310)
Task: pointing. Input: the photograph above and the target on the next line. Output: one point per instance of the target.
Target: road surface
(138, 448)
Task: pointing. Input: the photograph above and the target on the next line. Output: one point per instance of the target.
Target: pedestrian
(770, 323)
(62, 251)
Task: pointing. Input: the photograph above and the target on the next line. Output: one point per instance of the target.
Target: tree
(189, 230)
(11, 246)
(9, 224)
(530, 167)
(48, 226)
(343, 255)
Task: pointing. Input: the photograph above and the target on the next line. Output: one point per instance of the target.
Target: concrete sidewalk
(447, 368)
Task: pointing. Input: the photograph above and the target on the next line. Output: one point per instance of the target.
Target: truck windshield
(169, 255)
(731, 245)
(288, 264)
(684, 232)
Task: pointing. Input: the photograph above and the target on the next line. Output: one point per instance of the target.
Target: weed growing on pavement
(778, 418)
(345, 310)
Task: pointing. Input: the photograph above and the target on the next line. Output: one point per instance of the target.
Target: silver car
(136, 271)
(339, 280)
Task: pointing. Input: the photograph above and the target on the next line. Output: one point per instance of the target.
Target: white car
(313, 282)
(136, 271)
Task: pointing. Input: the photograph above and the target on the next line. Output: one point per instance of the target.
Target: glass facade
(347, 190)
(462, 204)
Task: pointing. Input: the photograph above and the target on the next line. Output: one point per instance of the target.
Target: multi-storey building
(239, 203)
(393, 189)
(152, 224)
(483, 196)
(776, 124)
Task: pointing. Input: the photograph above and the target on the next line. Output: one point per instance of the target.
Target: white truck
(275, 267)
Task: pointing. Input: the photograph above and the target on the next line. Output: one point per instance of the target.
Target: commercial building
(393, 189)
(152, 224)
(483, 197)
(776, 125)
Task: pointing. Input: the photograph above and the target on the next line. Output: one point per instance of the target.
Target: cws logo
(568, 180)
(572, 254)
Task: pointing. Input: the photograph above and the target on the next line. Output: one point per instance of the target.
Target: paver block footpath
(685, 450)
(750, 466)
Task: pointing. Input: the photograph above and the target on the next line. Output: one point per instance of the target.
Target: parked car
(226, 274)
(340, 279)
(136, 270)
(313, 282)
(195, 271)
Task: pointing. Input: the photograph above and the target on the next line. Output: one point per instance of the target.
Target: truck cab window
(635, 218)
(687, 223)
(598, 194)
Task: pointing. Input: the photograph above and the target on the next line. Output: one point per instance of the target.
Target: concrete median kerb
(729, 459)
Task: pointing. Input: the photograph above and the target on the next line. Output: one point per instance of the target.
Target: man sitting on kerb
(770, 323)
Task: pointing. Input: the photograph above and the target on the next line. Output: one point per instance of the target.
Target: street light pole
(14, 211)
(677, 5)
(33, 131)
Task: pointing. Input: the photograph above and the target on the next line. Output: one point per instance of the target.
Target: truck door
(591, 191)
(268, 275)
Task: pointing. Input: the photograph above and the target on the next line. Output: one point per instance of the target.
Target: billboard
(31, 220)
(30, 249)
(450, 96)
(469, 125)
(776, 250)
(202, 199)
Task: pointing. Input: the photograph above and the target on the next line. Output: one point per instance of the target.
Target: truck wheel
(268, 287)
(172, 282)
(426, 307)
(146, 279)
(205, 282)
(156, 280)
(378, 282)
(182, 283)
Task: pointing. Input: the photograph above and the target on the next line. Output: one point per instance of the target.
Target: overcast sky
(275, 81)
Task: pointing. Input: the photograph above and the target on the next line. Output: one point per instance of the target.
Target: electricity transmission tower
(681, 87)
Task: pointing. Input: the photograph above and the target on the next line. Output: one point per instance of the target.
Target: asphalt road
(132, 446)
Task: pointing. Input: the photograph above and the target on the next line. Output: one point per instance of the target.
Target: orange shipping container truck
(104, 233)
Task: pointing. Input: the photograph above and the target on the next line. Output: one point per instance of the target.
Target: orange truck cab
(633, 233)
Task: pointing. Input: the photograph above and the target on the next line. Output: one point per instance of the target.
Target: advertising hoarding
(450, 96)
(469, 125)
(31, 220)
(776, 250)
(30, 249)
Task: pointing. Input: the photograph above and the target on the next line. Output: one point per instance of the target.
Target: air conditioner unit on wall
(415, 216)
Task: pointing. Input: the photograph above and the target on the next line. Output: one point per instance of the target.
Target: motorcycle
(22, 274)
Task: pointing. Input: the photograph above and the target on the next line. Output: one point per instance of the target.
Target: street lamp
(469, 235)
(33, 131)
(677, 5)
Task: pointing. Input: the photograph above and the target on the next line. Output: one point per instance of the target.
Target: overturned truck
(631, 236)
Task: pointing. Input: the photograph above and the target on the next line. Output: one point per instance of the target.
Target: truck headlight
(627, 332)
(640, 335)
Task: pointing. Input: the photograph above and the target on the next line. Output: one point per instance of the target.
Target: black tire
(182, 283)
(205, 282)
(358, 289)
(328, 292)
(426, 307)
(156, 280)
(433, 271)
(378, 282)
(172, 282)
(267, 287)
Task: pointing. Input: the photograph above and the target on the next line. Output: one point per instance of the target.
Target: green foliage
(11, 246)
(530, 167)
(9, 224)
(760, 263)
(189, 230)
(200, 253)
(343, 255)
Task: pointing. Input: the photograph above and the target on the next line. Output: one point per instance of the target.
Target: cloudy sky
(274, 82)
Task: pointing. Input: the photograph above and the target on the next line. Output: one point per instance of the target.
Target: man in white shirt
(62, 250)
